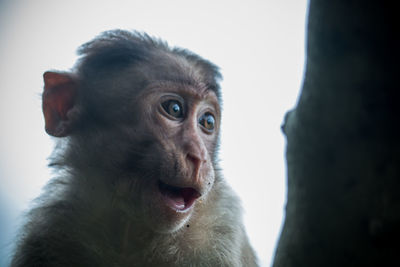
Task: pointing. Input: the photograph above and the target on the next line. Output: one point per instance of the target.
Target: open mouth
(178, 198)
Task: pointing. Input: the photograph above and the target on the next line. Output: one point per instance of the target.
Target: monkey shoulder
(55, 228)
(49, 234)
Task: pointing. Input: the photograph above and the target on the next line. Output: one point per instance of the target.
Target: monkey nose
(196, 162)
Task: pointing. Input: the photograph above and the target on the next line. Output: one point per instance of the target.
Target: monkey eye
(173, 108)
(207, 120)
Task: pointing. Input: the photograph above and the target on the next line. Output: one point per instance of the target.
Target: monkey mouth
(178, 198)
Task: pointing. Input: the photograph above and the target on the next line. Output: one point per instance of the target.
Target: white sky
(259, 46)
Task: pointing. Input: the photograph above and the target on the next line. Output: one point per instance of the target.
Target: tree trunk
(343, 149)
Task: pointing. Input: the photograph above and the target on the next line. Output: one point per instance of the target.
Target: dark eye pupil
(210, 120)
(173, 108)
(207, 121)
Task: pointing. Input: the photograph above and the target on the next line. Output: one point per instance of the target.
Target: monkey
(136, 126)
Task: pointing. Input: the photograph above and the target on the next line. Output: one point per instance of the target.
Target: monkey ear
(58, 100)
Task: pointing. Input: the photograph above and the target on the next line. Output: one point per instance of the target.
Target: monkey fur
(137, 183)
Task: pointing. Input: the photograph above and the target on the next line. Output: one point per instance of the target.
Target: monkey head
(143, 119)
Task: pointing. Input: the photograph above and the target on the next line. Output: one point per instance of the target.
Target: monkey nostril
(194, 159)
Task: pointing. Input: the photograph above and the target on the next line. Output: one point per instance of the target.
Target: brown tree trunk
(343, 149)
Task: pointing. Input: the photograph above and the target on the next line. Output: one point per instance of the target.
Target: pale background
(259, 46)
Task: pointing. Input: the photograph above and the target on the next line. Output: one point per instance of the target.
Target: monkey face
(179, 169)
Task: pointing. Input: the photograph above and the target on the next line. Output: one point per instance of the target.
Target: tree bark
(343, 149)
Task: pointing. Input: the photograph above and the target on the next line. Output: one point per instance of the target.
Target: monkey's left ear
(58, 100)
